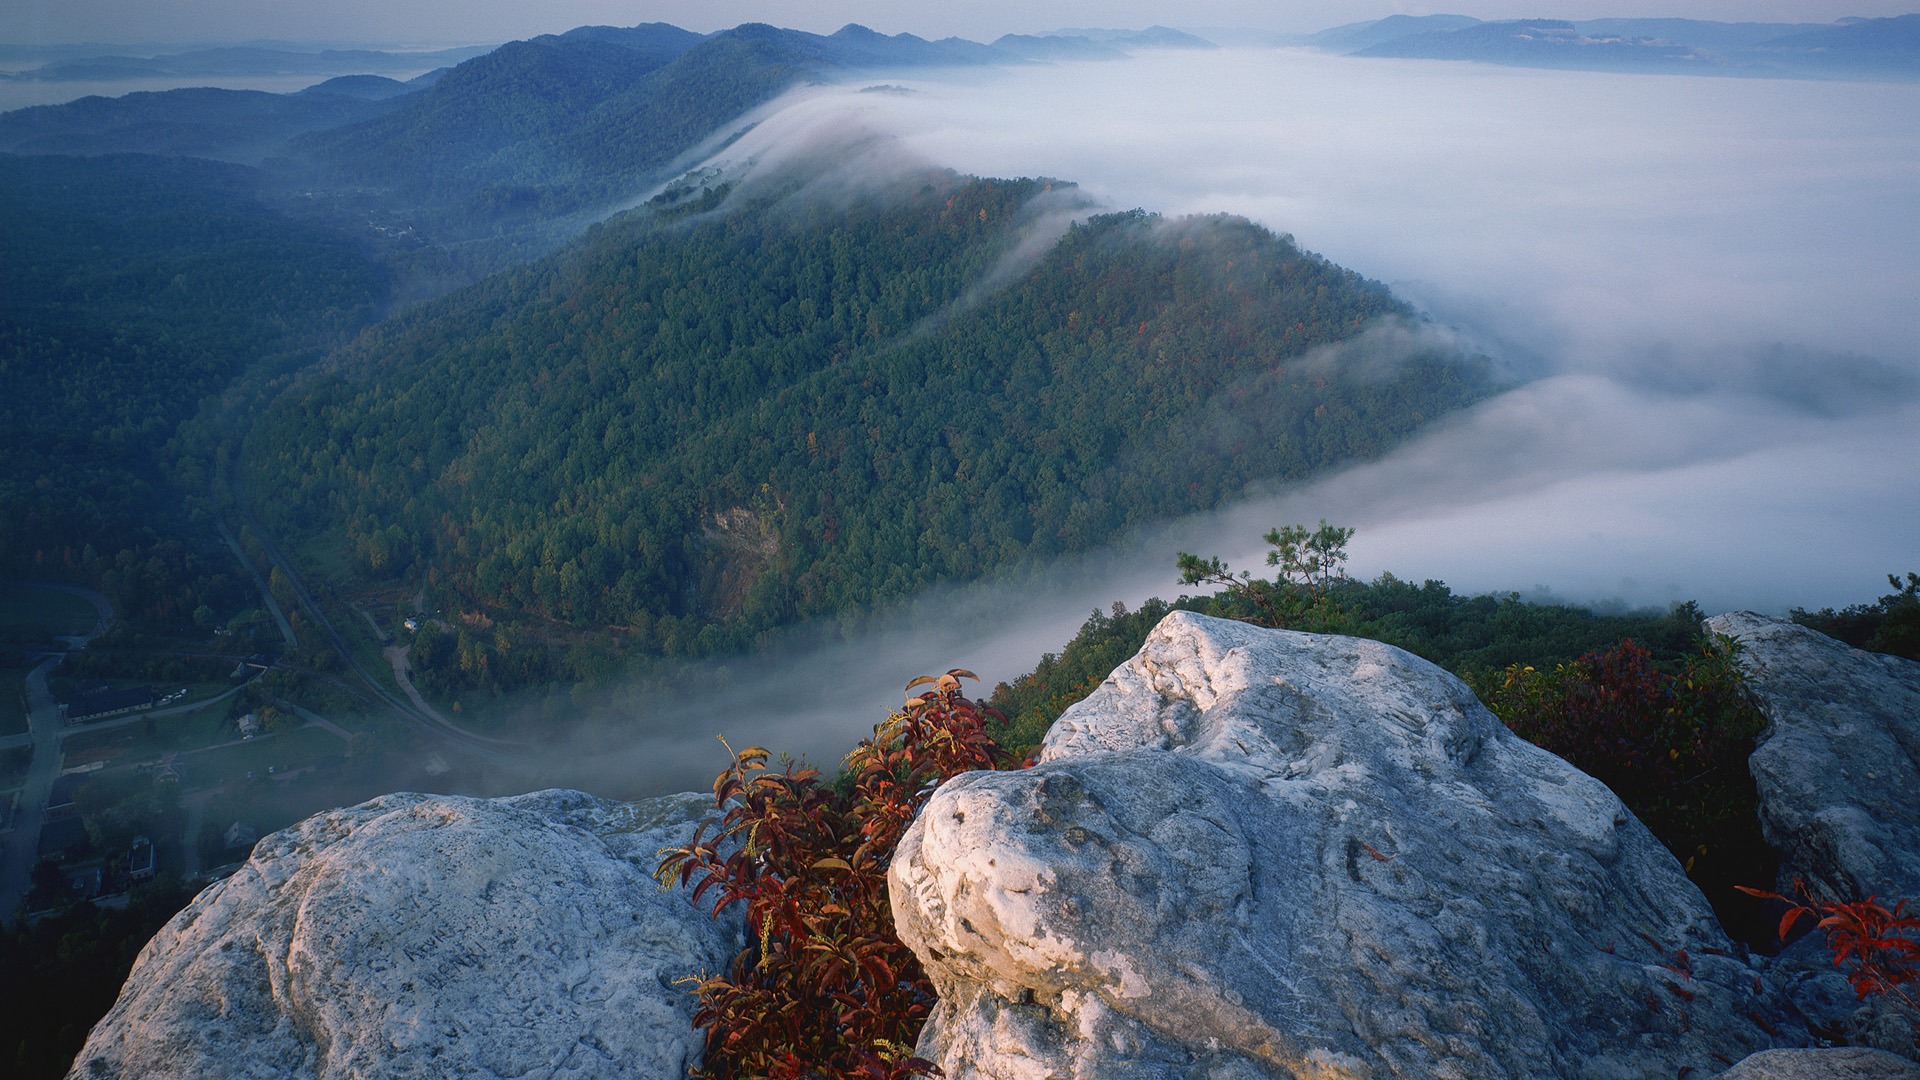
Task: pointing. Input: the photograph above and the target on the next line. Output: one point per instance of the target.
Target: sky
(474, 21)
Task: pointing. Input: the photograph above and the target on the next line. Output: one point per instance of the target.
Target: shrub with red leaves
(1877, 947)
(1672, 744)
(1671, 741)
(824, 987)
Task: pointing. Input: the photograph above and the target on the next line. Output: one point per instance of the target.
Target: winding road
(44, 729)
(423, 718)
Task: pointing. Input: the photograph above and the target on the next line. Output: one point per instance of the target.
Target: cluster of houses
(90, 874)
(85, 873)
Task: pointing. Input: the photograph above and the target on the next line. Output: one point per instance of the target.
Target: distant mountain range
(506, 143)
(1850, 48)
(62, 64)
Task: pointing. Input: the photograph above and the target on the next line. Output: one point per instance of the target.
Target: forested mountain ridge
(555, 125)
(243, 126)
(696, 430)
(131, 288)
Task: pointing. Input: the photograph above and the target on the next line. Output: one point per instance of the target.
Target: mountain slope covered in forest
(131, 289)
(697, 429)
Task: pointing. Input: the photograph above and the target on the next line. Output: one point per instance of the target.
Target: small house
(140, 859)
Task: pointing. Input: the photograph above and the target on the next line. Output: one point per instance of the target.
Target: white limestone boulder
(429, 936)
(1254, 853)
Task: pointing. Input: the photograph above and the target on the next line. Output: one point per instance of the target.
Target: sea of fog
(1710, 288)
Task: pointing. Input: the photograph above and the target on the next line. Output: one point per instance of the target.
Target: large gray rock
(1254, 853)
(1838, 777)
(1838, 769)
(1836, 1063)
(429, 936)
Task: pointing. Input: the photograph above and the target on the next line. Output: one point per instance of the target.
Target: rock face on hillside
(1837, 1063)
(1838, 776)
(429, 936)
(1838, 769)
(1254, 853)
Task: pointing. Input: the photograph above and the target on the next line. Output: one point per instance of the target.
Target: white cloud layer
(1713, 283)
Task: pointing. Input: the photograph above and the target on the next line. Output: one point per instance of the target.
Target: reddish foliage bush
(824, 987)
(1878, 947)
(1671, 742)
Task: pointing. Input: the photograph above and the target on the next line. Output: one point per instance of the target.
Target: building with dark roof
(102, 704)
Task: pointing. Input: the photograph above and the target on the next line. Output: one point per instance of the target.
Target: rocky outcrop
(1838, 769)
(1250, 854)
(1254, 853)
(1836, 1063)
(429, 936)
(1837, 773)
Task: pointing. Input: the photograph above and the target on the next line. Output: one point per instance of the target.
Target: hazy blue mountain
(224, 125)
(241, 60)
(1049, 47)
(1852, 48)
(1153, 37)
(364, 87)
(1353, 37)
(856, 46)
(1542, 43)
(557, 125)
(481, 123)
(1899, 35)
(1700, 32)
(1885, 47)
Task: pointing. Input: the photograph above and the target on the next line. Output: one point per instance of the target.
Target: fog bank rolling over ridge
(1708, 291)
(1704, 272)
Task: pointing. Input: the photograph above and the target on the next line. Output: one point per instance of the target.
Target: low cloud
(1707, 289)
(1707, 281)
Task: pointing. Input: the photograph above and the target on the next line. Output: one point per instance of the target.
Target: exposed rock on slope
(1838, 770)
(1838, 776)
(1254, 853)
(429, 936)
(1838, 1063)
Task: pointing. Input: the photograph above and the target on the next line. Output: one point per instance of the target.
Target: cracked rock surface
(1838, 768)
(1255, 853)
(1837, 773)
(429, 936)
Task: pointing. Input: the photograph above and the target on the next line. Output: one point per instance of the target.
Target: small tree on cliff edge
(1309, 561)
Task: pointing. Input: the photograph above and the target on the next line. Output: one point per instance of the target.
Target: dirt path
(397, 655)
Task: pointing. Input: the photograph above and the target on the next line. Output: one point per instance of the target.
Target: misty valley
(531, 421)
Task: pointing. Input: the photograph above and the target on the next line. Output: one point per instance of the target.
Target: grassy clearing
(150, 736)
(13, 765)
(13, 701)
(33, 614)
(283, 751)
